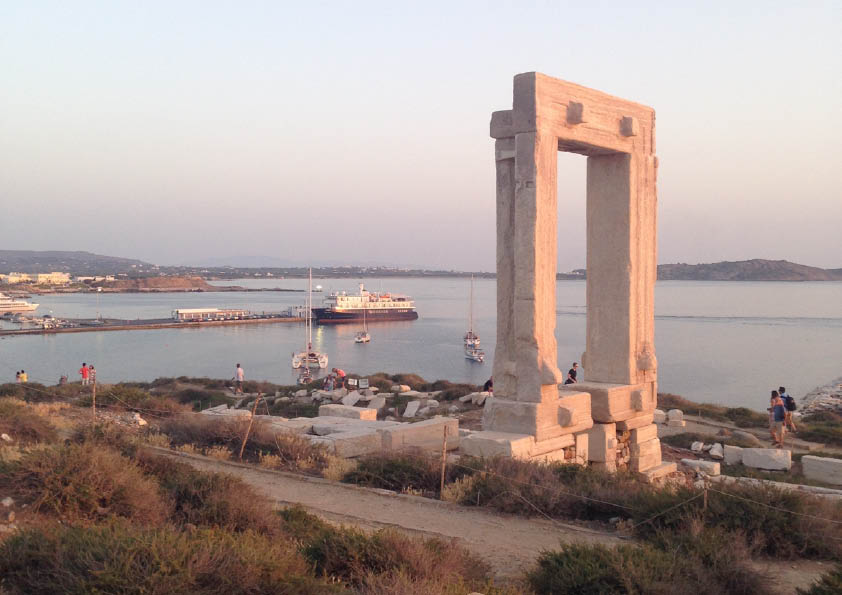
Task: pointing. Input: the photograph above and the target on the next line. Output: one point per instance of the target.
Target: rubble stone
(709, 467)
(733, 455)
(771, 459)
(411, 409)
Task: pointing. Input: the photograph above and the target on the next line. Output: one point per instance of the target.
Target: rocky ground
(823, 399)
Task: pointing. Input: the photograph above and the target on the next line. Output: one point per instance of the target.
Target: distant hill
(77, 263)
(747, 270)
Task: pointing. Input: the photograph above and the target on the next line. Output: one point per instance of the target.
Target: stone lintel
(636, 422)
(581, 115)
(617, 402)
(488, 444)
(501, 124)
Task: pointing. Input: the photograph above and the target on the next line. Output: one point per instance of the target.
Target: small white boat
(309, 358)
(475, 355)
(471, 338)
(362, 336)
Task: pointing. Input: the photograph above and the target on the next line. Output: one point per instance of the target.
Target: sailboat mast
(471, 308)
(310, 310)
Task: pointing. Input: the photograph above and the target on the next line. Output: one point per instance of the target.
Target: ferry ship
(344, 307)
(8, 305)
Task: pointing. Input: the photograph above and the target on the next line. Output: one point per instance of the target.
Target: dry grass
(220, 453)
(23, 423)
(85, 482)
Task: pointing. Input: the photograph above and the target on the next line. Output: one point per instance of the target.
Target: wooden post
(251, 421)
(705, 499)
(93, 401)
(443, 460)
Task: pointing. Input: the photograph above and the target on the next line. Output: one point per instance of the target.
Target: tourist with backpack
(789, 405)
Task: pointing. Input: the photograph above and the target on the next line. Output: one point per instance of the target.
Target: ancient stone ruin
(608, 419)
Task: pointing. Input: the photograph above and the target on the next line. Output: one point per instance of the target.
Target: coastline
(827, 397)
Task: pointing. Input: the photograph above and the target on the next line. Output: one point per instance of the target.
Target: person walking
(240, 377)
(571, 374)
(790, 406)
(778, 417)
(83, 372)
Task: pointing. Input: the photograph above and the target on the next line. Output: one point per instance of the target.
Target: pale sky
(357, 132)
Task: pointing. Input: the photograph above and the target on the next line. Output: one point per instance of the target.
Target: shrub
(85, 482)
(23, 424)
(120, 558)
(356, 557)
(298, 453)
(205, 431)
(209, 499)
(830, 583)
(293, 409)
(201, 399)
(403, 471)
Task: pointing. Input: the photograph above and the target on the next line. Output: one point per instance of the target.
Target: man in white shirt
(240, 377)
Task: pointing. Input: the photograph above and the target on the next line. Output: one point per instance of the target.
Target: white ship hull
(309, 360)
(17, 307)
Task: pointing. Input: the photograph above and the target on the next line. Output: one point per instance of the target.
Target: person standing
(778, 413)
(790, 406)
(489, 385)
(23, 377)
(83, 372)
(571, 374)
(91, 374)
(241, 376)
(17, 376)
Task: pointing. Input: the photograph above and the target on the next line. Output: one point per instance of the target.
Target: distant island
(747, 270)
(192, 278)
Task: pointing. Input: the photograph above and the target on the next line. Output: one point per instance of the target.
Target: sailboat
(309, 358)
(472, 350)
(363, 336)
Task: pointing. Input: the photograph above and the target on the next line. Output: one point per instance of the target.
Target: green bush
(292, 409)
(120, 558)
(403, 471)
(356, 557)
(23, 424)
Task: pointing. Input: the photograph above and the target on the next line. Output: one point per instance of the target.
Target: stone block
(613, 402)
(497, 444)
(574, 409)
(377, 403)
(645, 448)
(336, 410)
(602, 443)
(638, 435)
(425, 434)
(716, 452)
(733, 455)
(642, 463)
(771, 459)
(432, 404)
(658, 471)
(551, 445)
(659, 416)
(351, 398)
(411, 409)
(823, 469)
(709, 467)
(697, 446)
(675, 415)
(354, 443)
(636, 422)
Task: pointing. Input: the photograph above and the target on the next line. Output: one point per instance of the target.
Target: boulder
(401, 388)
(708, 467)
(697, 446)
(411, 409)
(823, 469)
(428, 434)
(716, 452)
(351, 399)
(377, 403)
(660, 416)
(6, 437)
(675, 415)
(733, 455)
(424, 412)
(771, 459)
(300, 393)
(432, 404)
(466, 398)
(748, 437)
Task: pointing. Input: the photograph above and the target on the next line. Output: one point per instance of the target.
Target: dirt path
(508, 543)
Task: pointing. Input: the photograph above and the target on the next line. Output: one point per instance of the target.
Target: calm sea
(719, 342)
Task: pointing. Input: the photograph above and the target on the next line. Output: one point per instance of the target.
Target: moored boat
(11, 305)
(341, 307)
